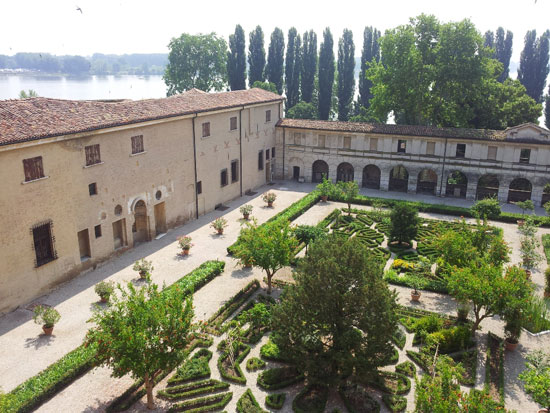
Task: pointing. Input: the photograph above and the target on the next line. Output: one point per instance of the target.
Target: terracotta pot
(103, 298)
(220, 231)
(142, 274)
(324, 198)
(248, 266)
(521, 222)
(415, 296)
(543, 411)
(547, 294)
(47, 330)
(185, 251)
(270, 204)
(510, 346)
(245, 216)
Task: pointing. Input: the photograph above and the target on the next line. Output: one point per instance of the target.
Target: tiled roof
(406, 130)
(37, 118)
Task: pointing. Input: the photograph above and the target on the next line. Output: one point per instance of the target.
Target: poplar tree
(533, 66)
(293, 68)
(503, 51)
(346, 79)
(309, 65)
(326, 74)
(547, 109)
(275, 59)
(236, 60)
(489, 39)
(256, 56)
(371, 50)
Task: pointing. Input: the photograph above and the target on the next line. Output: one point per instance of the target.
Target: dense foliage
(326, 74)
(236, 60)
(533, 65)
(256, 56)
(293, 65)
(275, 60)
(404, 223)
(346, 74)
(370, 52)
(309, 66)
(537, 377)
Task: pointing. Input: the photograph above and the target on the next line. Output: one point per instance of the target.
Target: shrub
(246, 209)
(270, 351)
(203, 404)
(254, 363)
(399, 338)
(326, 187)
(241, 351)
(193, 389)
(450, 339)
(269, 197)
(279, 377)
(247, 403)
(143, 267)
(547, 281)
(427, 325)
(395, 402)
(357, 399)
(536, 315)
(104, 289)
(488, 208)
(275, 401)
(407, 368)
(393, 383)
(193, 369)
(185, 242)
(219, 224)
(47, 316)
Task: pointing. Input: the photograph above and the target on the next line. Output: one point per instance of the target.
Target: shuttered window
(137, 144)
(93, 155)
(33, 168)
(43, 243)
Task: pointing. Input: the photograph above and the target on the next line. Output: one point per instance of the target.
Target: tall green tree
(371, 51)
(489, 39)
(547, 109)
(256, 56)
(196, 61)
(302, 110)
(236, 60)
(270, 87)
(503, 51)
(293, 68)
(326, 74)
(533, 66)
(275, 59)
(404, 223)
(349, 328)
(309, 65)
(143, 332)
(346, 72)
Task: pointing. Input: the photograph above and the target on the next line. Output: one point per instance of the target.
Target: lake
(83, 88)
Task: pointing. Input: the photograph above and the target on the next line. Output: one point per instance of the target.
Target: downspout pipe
(284, 150)
(241, 149)
(195, 168)
(443, 168)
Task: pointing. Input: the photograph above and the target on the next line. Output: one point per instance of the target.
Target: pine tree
(309, 65)
(275, 59)
(293, 68)
(346, 79)
(236, 60)
(326, 74)
(256, 56)
(533, 66)
(503, 50)
(371, 50)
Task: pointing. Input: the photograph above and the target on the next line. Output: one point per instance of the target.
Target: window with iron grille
(137, 144)
(233, 123)
(268, 115)
(206, 129)
(223, 176)
(524, 156)
(43, 241)
(267, 154)
(93, 155)
(97, 230)
(92, 188)
(261, 160)
(460, 150)
(402, 146)
(33, 168)
(234, 170)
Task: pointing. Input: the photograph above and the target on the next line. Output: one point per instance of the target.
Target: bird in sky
(79, 9)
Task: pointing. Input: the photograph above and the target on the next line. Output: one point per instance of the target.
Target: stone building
(512, 165)
(84, 180)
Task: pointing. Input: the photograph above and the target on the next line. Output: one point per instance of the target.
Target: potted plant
(547, 279)
(219, 224)
(144, 268)
(526, 205)
(512, 329)
(47, 316)
(185, 244)
(269, 198)
(104, 289)
(415, 284)
(246, 210)
(325, 188)
(529, 255)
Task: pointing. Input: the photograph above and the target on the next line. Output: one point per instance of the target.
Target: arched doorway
(399, 179)
(545, 195)
(140, 228)
(519, 190)
(457, 183)
(344, 172)
(487, 187)
(427, 181)
(320, 169)
(371, 177)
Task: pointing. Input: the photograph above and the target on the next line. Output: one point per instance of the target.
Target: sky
(138, 26)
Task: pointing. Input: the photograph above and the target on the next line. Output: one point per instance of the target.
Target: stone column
(441, 187)
(503, 187)
(384, 178)
(413, 180)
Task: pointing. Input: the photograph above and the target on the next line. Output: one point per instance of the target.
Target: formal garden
(333, 335)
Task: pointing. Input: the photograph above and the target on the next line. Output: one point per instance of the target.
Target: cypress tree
(309, 65)
(533, 65)
(371, 50)
(236, 60)
(326, 74)
(275, 59)
(346, 79)
(489, 39)
(547, 109)
(256, 56)
(293, 68)
(503, 49)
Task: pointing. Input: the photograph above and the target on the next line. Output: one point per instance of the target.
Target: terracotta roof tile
(37, 118)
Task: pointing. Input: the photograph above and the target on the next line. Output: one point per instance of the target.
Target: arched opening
(545, 194)
(371, 177)
(519, 190)
(457, 183)
(427, 181)
(140, 227)
(399, 179)
(344, 172)
(487, 187)
(319, 169)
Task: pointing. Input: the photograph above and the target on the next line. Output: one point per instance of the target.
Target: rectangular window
(268, 115)
(347, 142)
(261, 160)
(92, 189)
(97, 230)
(492, 153)
(206, 129)
(430, 148)
(460, 150)
(33, 168)
(199, 187)
(43, 243)
(401, 146)
(524, 155)
(373, 144)
(267, 154)
(272, 152)
(93, 156)
(234, 171)
(297, 138)
(137, 144)
(233, 123)
(322, 141)
(223, 176)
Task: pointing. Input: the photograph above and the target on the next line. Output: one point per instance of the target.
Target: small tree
(326, 187)
(270, 246)
(144, 332)
(349, 191)
(308, 233)
(536, 377)
(526, 205)
(404, 223)
(529, 255)
(487, 208)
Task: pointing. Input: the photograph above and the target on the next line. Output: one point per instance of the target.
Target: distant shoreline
(26, 72)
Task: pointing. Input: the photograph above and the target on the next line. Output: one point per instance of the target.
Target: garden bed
(203, 404)
(278, 378)
(394, 402)
(275, 401)
(312, 399)
(494, 368)
(247, 403)
(193, 389)
(232, 370)
(358, 400)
